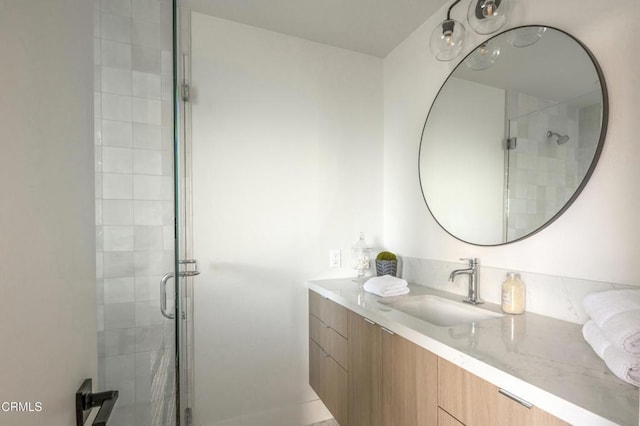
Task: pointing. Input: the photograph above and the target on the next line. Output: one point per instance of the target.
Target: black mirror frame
(596, 155)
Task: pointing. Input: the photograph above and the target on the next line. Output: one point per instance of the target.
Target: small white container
(513, 294)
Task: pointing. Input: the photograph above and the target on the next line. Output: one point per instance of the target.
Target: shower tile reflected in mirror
(554, 149)
(134, 207)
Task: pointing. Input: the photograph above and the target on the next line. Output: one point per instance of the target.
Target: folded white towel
(623, 330)
(386, 286)
(604, 304)
(617, 314)
(623, 365)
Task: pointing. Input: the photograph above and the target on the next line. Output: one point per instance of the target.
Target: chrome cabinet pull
(387, 330)
(163, 296)
(369, 321)
(515, 398)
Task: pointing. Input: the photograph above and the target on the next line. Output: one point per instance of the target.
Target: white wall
(47, 249)
(287, 144)
(598, 237)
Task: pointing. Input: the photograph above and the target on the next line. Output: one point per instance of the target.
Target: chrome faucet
(472, 271)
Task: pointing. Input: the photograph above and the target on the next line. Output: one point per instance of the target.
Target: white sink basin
(439, 311)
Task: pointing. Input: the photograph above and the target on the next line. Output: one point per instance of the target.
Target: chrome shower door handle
(163, 283)
(163, 296)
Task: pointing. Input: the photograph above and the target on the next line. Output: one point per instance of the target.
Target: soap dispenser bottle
(513, 294)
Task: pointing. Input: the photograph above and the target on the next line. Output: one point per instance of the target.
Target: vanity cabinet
(470, 401)
(328, 354)
(368, 376)
(392, 381)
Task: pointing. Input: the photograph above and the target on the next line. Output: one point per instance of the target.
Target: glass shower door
(140, 214)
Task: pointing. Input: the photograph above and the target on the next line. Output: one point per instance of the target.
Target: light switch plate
(335, 260)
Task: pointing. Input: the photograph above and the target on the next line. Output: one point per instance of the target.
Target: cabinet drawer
(465, 396)
(474, 401)
(315, 367)
(513, 412)
(333, 343)
(315, 302)
(330, 381)
(329, 312)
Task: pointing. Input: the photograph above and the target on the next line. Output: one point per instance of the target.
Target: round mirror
(513, 135)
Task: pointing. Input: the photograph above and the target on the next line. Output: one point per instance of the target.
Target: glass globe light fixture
(483, 57)
(526, 36)
(487, 16)
(447, 40)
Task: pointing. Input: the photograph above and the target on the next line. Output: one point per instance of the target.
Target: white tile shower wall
(542, 174)
(552, 296)
(134, 211)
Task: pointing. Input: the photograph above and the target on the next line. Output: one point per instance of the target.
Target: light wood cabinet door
(365, 372)
(392, 381)
(409, 383)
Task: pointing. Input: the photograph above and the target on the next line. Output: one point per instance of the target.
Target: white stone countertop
(542, 360)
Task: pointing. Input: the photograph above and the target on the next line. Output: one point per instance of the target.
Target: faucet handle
(473, 261)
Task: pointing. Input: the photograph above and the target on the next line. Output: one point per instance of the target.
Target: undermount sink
(439, 311)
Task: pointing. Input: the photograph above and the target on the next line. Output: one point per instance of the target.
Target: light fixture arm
(451, 7)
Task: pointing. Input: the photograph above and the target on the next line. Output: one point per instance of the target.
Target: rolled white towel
(386, 286)
(623, 365)
(617, 314)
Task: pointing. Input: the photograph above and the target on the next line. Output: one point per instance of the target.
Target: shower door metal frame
(185, 267)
